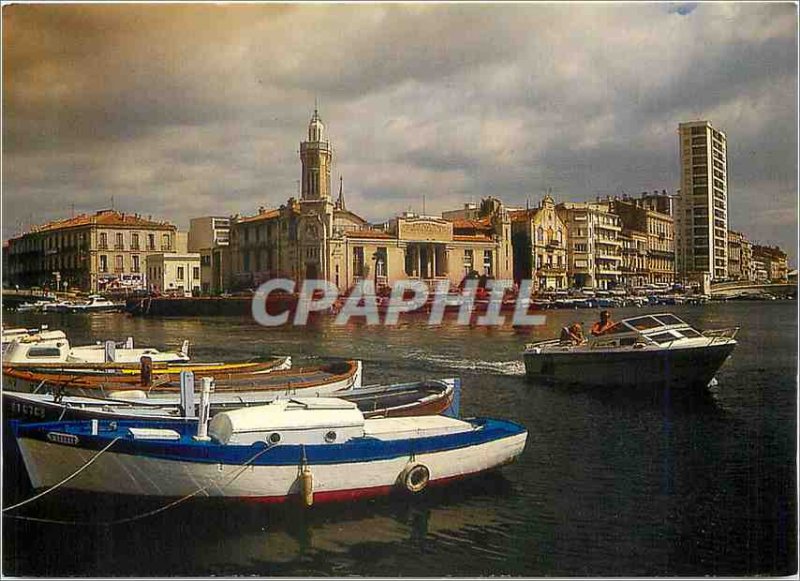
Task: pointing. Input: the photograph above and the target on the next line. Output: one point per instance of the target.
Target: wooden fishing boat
(306, 449)
(318, 380)
(34, 377)
(429, 397)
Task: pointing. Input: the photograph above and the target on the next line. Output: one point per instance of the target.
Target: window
(196, 272)
(468, 260)
(135, 241)
(358, 261)
(103, 244)
(165, 245)
(151, 241)
(380, 261)
(135, 263)
(487, 262)
(179, 276)
(118, 264)
(103, 263)
(120, 243)
(43, 352)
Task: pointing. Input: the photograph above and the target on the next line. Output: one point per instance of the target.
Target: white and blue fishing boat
(314, 450)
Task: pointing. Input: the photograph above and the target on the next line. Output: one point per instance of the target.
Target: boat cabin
(310, 421)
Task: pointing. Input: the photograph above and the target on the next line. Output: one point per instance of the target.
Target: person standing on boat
(572, 334)
(604, 324)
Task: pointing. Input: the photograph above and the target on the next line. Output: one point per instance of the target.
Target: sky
(180, 111)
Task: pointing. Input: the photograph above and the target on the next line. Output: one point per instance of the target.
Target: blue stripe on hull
(365, 449)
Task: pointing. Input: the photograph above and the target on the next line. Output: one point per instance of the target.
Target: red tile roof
(482, 224)
(103, 218)
(265, 215)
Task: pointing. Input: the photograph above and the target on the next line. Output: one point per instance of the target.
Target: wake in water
(512, 368)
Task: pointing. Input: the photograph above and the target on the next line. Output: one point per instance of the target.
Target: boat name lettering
(59, 438)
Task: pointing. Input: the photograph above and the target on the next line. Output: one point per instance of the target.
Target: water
(610, 484)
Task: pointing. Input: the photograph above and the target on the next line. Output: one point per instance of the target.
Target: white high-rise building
(701, 216)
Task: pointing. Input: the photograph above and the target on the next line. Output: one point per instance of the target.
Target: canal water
(610, 484)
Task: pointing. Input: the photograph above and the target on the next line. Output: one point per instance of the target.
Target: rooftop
(102, 218)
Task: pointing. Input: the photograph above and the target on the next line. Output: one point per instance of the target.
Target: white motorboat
(46, 346)
(314, 449)
(94, 304)
(650, 350)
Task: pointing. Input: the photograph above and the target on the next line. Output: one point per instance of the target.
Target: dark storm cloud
(181, 111)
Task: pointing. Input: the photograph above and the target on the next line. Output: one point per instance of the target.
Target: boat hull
(245, 388)
(334, 476)
(684, 368)
(398, 400)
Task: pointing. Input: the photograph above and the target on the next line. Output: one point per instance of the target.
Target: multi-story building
(209, 236)
(92, 252)
(739, 256)
(635, 272)
(175, 273)
(594, 251)
(539, 238)
(701, 217)
(315, 237)
(774, 261)
(641, 215)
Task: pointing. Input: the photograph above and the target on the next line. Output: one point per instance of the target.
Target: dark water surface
(610, 483)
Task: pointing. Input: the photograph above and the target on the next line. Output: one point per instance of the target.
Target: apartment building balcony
(608, 271)
(554, 244)
(607, 256)
(552, 269)
(102, 246)
(119, 247)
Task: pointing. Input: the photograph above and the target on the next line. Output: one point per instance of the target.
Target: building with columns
(316, 237)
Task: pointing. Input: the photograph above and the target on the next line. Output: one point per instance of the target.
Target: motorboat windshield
(660, 328)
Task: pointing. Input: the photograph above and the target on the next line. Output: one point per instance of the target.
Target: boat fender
(307, 485)
(415, 477)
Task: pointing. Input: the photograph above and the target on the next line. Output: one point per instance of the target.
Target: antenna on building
(423, 205)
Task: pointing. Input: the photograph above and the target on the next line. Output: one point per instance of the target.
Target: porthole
(274, 437)
(330, 437)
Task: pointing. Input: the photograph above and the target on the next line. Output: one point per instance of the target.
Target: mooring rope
(167, 506)
(65, 480)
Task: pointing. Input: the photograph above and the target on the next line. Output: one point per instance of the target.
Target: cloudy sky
(183, 111)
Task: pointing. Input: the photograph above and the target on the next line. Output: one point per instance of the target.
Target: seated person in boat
(572, 334)
(604, 324)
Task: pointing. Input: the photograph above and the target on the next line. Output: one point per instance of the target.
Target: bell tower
(315, 156)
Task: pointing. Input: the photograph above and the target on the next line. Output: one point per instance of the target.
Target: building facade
(91, 252)
(739, 256)
(594, 251)
(701, 213)
(539, 238)
(174, 273)
(317, 237)
(641, 215)
(209, 236)
(635, 272)
(774, 261)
